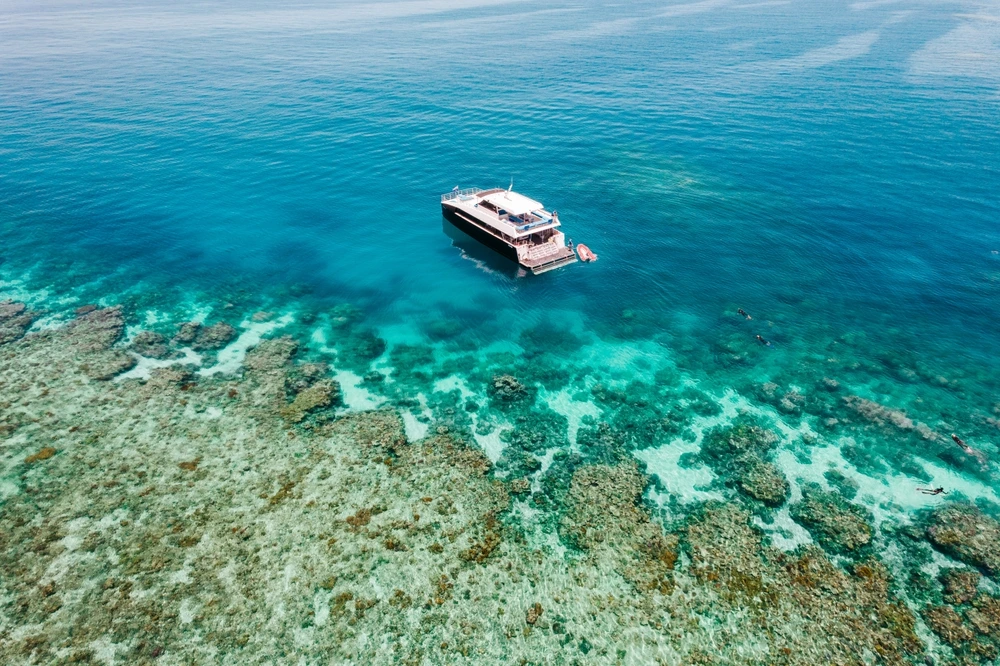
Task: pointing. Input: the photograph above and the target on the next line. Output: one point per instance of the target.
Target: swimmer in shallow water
(744, 313)
(978, 455)
(935, 491)
(763, 341)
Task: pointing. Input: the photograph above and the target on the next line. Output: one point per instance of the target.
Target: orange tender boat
(585, 253)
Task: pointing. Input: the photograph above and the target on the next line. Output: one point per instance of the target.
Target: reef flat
(247, 517)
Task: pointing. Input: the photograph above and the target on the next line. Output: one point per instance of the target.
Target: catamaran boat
(512, 224)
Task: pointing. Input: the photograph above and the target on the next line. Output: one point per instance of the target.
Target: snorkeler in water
(763, 341)
(935, 491)
(978, 455)
(744, 313)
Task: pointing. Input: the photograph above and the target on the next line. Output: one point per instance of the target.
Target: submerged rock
(271, 354)
(725, 444)
(106, 364)
(10, 309)
(604, 519)
(847, 486)
(946, 623)
(739, 454)
(187, 332)
(97, 330)
(762, 481)
(205, 338)
(967, 534)
(837, 525)
(506, 389)
(216, 336)
(881, 415)
(14, 321)
(150, 344)
(960, 585)
(321, 394)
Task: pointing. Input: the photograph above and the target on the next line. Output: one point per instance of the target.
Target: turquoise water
(832, 168)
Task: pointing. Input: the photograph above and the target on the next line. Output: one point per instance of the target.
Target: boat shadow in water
(483, 257)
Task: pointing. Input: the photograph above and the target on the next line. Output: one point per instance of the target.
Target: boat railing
(458, 194)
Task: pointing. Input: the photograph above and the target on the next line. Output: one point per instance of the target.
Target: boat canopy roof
(513, 203)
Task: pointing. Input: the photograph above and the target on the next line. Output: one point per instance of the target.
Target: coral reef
(851, 614)
(762, 481)
(216, 336)
(837, 525)
(960, 585)
(14, 320)
(873, 412)
(738, 453)
(603, 518)
(321, 394)
(150, 344)
(241, 519)
(205, 338)
(506, 389)
(967, 534)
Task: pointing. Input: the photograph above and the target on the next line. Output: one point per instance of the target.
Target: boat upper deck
(514, 214)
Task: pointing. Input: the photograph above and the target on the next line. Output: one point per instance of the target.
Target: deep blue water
(833, 168)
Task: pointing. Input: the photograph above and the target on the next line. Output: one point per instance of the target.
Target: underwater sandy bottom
(322, 490)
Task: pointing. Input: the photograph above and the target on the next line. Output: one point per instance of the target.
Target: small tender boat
(517, 227)
(585, 253)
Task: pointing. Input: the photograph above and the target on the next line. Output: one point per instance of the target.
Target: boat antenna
(511, 184)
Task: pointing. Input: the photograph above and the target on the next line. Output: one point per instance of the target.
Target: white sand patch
(205, 413)
(318, 337)
(103, 651)
(7, 489)
(321, 608)
(452, 383)
(231, 357)
(491, 444)
(938, 562)
(415, 430)
(187, 611)
(574, 411)
(688, 484)
(181, 576)
(893, 497)
(355, 396)
(145, 365)
(685, 484)
(971, 49)
(639, 360)
(785, 533)
(228, 575)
